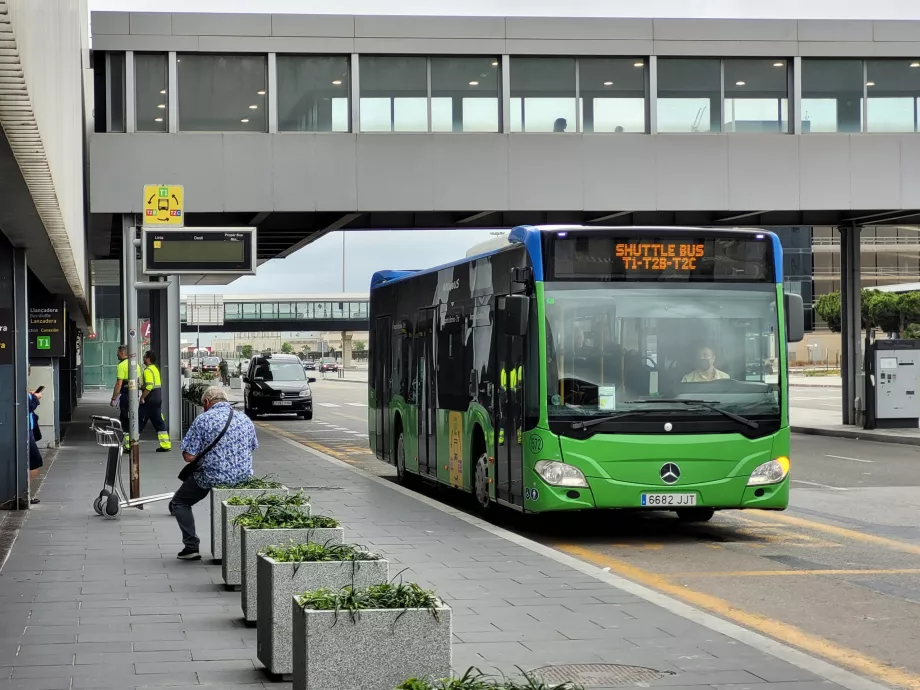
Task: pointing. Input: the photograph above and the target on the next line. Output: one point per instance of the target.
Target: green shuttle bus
(578, 368)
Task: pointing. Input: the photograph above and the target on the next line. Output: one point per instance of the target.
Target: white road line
(795, 398)
(820, 486)
(328, 405)
(357, 404)
(843, 457)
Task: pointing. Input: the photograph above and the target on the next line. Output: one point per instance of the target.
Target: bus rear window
(593, 257)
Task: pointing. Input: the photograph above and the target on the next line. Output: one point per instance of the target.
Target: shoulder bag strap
(217, 438)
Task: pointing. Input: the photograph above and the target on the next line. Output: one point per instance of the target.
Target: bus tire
(401, 475)
(695, 514)
(481, 483)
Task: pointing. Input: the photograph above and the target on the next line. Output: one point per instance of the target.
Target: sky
(773, 9)
(317, 268)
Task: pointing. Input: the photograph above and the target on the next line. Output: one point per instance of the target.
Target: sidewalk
(815, 381)
(89, 603)
(827, 423)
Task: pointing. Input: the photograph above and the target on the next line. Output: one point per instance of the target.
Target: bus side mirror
(517, 313)
(795, 318)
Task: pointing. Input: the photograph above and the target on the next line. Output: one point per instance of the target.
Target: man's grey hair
(215, 394)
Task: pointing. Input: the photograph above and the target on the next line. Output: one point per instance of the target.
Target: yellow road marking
(310, 444)
(792, 573)
(778, 630)
(845, 533)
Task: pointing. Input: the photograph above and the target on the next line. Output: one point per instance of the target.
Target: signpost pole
(131, 308)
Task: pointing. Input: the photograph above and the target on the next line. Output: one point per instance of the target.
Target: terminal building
(300, 125)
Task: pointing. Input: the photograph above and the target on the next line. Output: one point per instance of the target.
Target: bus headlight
(772, 472)
(559, 474)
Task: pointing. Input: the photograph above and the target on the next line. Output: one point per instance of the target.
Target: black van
(277, 384)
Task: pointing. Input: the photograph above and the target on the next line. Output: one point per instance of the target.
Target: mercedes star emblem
(668, 426)
(670, 473)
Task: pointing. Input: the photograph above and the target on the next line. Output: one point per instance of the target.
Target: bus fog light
(771, 472)
(560, 474)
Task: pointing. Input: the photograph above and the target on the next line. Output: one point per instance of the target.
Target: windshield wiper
(600, 420)
(707, 404)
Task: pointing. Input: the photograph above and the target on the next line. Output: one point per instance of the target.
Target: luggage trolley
(109, 503)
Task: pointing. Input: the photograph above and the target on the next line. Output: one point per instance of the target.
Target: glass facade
(416, 93)
(151, 95)
(222, 93)
(313, 93)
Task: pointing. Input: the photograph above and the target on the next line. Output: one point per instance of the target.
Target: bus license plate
(281, 402)
(668, 500)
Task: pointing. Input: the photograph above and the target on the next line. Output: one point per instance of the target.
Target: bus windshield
(627, 346)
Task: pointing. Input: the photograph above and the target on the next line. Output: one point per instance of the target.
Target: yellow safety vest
(121, 373)
(152, 378)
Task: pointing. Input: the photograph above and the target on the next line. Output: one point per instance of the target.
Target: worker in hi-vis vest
(151, 403)
(121, 392)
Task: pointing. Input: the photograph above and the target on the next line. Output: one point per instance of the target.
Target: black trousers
(188, 495)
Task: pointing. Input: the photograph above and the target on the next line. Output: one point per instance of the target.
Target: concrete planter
(381, 649)
(218, 496)
(232, 563)
(278, 582)
(255, 540)
(236, 383)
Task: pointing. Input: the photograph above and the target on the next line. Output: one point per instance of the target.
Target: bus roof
(529, 236)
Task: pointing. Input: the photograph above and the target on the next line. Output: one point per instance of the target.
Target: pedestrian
(151, 403)
(218, 449)
(224, 372)
(35, 456)
(120, 393)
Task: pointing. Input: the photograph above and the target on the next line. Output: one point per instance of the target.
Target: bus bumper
(602, 493)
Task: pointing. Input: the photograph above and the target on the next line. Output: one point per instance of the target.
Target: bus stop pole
(130, 237)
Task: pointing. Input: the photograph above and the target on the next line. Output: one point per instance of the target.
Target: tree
(287, 348)
(828, 308)
(246, 351)
(883, 310)
(359, 346)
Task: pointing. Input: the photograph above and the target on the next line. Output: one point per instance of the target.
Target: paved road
(828, 399)
(837, 575)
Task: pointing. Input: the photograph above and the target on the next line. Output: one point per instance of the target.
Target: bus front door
(382, 379)
(509, 456)
(426, 352)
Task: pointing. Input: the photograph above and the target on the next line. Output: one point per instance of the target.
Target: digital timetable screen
(595, 256)
(199, 250)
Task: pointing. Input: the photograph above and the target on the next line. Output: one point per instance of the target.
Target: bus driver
(705, 368)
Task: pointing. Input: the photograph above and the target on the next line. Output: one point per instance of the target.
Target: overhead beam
(476, 216)
(740, 216)
(259, 217)
(332, 227)
(609, 216)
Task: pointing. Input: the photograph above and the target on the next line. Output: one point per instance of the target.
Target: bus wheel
(481, 483)
(401, 474)
(695, 514)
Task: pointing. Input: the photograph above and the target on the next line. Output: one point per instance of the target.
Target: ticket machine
(893, 384)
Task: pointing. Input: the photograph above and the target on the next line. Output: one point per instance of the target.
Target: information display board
(199, 250)
(47, 337)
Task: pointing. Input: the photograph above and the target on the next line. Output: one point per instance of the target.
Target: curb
(814, 385)
(857, 434)
(345, 380)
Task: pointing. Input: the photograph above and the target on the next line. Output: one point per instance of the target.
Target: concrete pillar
(14, 408)
(346, 350)
(173, 380)
(851, 325)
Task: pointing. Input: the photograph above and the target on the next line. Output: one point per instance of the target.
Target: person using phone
(35, 456)
(219, 447)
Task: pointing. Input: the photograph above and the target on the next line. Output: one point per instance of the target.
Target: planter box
(236, 382)
(232, 563)
(377, 652)
(255, 540)
(218, 496)
(278, 582)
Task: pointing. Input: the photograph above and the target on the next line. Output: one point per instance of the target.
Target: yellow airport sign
(163, 205)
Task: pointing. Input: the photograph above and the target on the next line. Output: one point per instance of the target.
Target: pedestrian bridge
(232, 313)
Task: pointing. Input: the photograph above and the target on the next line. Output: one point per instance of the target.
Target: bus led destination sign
(659, 256)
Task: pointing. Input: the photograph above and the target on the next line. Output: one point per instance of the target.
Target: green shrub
(253, 482)
(282, 517)
(314, 553)
(270, 500)
(386, 596)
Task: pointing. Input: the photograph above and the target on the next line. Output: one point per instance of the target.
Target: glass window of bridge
(543, 94)
(321, 310)
(115, 92)
(285, 309)
(756, 95)
(313, 93)
(269, 310)
(250, 310)
(354, 310)
(465, 94)
(338, 310)
(893, 87)
(151, 95)
(832, 95)
(223, 93)
(394, 94)
(689, 95)
(611, 94)
(304, 310)
(231, 310)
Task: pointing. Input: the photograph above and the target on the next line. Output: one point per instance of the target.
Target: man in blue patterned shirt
(228, 462)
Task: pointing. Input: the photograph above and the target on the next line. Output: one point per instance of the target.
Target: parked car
(277, 384)
(309, 365)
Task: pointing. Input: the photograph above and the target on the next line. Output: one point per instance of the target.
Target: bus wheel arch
(479, 462)
(399, 449)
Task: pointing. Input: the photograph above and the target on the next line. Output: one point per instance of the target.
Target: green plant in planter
(270, 500)
(265, 482)
(282, 517)
(405, 595)
(193, 393)
(474, 680)
(312, 553)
